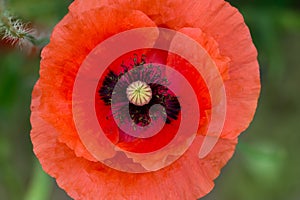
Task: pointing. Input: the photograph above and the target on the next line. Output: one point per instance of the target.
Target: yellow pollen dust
(139, 93)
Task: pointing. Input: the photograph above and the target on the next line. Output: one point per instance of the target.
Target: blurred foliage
(266, 163)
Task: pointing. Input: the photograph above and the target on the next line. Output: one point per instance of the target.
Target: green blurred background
(266, 165)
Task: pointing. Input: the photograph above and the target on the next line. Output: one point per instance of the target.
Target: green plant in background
(266, 166)
(21, 176)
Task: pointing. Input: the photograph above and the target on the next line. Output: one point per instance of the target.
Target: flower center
(142, 88)
(139, 93)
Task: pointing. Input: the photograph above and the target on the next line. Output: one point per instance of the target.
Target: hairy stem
(15, 31)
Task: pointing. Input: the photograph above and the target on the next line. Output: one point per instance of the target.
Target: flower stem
(40, 186)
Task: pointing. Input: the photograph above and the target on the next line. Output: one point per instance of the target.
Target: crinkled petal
(219, 20)
(214, 24)
(187, 178)
(62, 58)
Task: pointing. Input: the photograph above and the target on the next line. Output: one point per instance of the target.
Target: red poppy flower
(193, 58)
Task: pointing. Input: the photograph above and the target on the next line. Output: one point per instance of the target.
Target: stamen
(139, 93)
